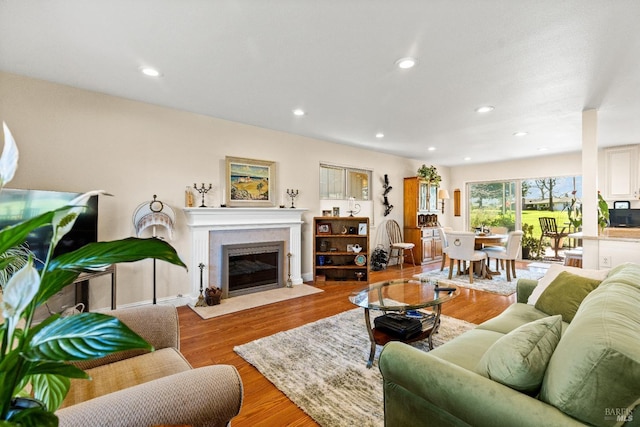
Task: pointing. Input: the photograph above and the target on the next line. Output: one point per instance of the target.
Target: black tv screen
(19, 205)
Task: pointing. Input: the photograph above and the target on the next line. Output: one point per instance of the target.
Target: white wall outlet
(605, 261)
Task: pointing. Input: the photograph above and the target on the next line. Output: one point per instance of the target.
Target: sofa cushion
(519, 359)
(513, 317)
(126, 373)
(564, 295)
(596, 366)
(466, 349)
(556, 269)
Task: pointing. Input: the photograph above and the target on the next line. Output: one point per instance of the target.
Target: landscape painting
(250, 182)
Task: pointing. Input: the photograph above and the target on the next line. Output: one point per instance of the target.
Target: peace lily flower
(36, 357)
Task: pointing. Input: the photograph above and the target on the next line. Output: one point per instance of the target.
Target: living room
(76, 139)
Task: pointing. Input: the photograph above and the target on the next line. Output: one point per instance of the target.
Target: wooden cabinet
(421, 220)
(333, 250)
(621, 173)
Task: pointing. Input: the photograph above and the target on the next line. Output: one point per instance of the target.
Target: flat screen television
(19, 205)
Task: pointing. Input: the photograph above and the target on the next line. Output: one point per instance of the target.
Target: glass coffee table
(404, 296)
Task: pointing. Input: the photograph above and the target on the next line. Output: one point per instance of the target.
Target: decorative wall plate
(360, 260)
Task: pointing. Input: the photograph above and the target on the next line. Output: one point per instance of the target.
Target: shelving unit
(421, 219)
(332, 260)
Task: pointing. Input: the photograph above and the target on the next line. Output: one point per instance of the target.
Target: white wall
(76, 140)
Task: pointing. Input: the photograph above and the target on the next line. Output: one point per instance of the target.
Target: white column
(590, 188)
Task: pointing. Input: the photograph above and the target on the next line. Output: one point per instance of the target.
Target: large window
(340, 183)
(513, 203)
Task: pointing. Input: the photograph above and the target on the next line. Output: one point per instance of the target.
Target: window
(340, 183)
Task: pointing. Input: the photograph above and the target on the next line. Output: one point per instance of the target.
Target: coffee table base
(431, 324)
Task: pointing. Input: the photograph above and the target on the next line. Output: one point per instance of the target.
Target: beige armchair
(137, 388)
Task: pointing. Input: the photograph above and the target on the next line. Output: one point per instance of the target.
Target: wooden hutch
(421, 219)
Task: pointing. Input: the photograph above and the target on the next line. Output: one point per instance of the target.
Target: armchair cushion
(126, 373)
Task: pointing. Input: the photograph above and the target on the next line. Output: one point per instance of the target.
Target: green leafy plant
(530, 245)
(430, 174)
(575, 212)
(34, 359)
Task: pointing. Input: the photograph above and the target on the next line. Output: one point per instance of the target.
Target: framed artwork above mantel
(250, 182)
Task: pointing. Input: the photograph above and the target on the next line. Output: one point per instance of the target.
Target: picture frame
(324, 228)
(362, 228)
(336, 211)
(250, 182)
(326, 212)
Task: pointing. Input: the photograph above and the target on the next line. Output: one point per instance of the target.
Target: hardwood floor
(207, 342)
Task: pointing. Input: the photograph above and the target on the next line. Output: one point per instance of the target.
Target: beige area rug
(321, 367)
(497, 285)
(257, 299)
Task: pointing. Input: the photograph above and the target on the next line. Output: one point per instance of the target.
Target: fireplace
(254, 267)
(213, 228)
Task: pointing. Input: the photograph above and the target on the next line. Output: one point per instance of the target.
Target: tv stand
(82, 286)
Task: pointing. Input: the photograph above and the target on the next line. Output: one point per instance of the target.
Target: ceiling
(538, 62)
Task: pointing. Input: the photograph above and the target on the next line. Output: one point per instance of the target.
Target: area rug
(497, 285)
(257, 299)
(321, 367)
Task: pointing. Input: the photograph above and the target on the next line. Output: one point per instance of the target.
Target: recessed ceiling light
(431, 149)
(466, 159)
(379, 135)
(542, 149)
(485, 109)
(405, 63)
(151, 72)
(298, 112)
(520, 133)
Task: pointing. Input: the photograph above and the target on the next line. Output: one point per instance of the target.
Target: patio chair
(550, 229)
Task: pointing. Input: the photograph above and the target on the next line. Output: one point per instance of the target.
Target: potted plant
(530, 245)
(34, 369)
(430, 174)
(575, 212)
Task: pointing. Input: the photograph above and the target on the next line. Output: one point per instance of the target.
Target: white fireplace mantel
(203, 221)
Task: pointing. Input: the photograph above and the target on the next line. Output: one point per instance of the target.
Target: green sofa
(591, 376)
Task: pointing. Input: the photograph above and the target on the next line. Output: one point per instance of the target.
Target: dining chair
(442, 231)
(462, 248)
(508, 253)
(550, 229)
(397, 244)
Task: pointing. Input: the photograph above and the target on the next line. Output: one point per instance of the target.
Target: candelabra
(202, 190)
(293, 194)
(201, 302)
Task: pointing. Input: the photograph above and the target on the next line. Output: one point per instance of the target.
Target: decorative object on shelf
(356, 248)
(250, 182)
(336, 211)
(326, 212)
(442, 196)
(213, 296)
(153, 214)
(202, 190)
(324, 228)
(359, 275)
(188, 197)
(353, 207)
(387, 207)
(362, 228)
(293, 194)
(289, 281)
(456, 202)
(360, 260)
(201, 301)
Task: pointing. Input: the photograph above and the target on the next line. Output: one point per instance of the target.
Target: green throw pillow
(564, 295)
(520, 358)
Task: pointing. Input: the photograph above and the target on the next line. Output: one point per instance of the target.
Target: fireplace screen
(251, 267)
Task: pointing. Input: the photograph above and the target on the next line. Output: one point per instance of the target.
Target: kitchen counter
(612, 233)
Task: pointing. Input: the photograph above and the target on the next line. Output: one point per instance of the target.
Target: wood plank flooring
(207, 342)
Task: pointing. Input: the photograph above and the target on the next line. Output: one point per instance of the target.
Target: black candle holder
(201, 301)
(202, 190)
(293, 194)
